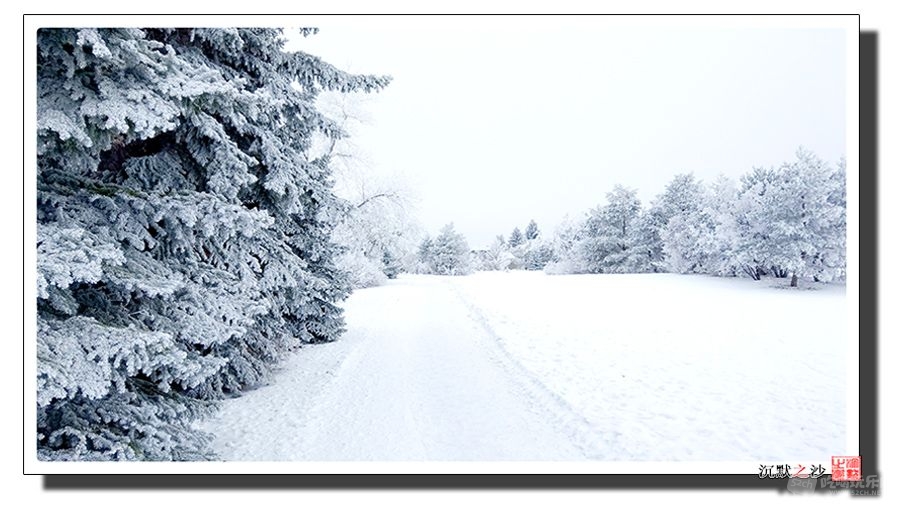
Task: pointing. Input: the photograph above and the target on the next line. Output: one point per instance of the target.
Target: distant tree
(681, 197)
(689, 235)
(721, 244)
(515, 238)
(785, 222)
(449, 253)
(390, 266)
(531, 231)
(648, 245)
(424, 255)
(565, 241)
(538, 256)
(610, 234)
(497, 257)
(516, 244)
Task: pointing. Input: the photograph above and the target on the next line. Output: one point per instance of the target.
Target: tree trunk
(752, 272)
(794, 280)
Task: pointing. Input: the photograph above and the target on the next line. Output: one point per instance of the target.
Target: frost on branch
(69, 255)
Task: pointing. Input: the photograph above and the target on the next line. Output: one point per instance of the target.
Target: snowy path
(524, 366)
(427, 382)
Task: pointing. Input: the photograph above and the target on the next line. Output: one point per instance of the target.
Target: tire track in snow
(593, 442)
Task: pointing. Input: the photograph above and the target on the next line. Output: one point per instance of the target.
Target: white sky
(495, 121)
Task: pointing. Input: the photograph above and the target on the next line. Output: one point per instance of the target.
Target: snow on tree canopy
(448, 254)
(793, 220)
(183, 229)
(610, 234)
(785, 222)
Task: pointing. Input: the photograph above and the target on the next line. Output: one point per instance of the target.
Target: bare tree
(378, 229)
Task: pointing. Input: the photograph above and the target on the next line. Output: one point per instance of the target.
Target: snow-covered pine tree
(392, 265)
(689, 235)
(424, 256)
(515, 238)
(183, 232)
(609, 238)
(449, 254)
(538, 255)
(517, 248)
(681, 197)
(648, 246)
(531, 231)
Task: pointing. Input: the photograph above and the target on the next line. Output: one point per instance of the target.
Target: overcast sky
(495, 121)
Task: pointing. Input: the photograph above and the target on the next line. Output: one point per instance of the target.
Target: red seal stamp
(846, 468)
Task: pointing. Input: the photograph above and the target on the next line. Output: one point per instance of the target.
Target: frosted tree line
(785, 222)
(184, 229)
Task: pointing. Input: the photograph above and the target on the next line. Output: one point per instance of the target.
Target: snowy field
(673, 367)
(526, 366)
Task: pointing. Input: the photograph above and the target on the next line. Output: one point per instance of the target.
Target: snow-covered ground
(526, 366)
(675, 367)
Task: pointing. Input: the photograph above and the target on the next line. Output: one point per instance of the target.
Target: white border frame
(849, 23)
